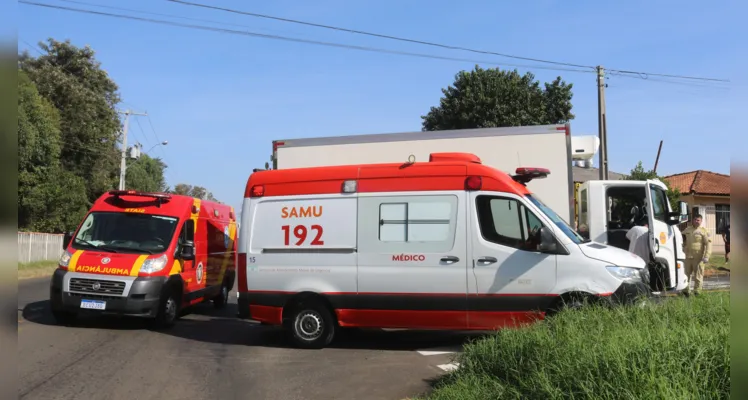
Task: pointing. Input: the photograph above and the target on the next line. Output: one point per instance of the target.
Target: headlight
(152, 265)
(625, 274)
(65, 259)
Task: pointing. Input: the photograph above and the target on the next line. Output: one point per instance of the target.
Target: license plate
(93, 304)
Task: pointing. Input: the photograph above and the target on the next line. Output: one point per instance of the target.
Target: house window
(722, 214)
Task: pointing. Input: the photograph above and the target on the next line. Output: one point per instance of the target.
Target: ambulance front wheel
(168, 309)
(222, 298)
(311, 325)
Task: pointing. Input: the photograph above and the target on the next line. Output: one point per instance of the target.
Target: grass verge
(677, 349)
(717, 266)
(36, 269)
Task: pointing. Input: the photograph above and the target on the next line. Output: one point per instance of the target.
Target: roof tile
(701, 182)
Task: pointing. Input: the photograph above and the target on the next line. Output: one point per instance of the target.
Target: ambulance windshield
(560, 223)
(125, 232)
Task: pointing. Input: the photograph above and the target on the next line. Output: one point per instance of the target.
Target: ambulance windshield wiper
(93, 246)
(114, 248)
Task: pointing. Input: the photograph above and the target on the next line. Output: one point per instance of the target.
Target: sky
(220, 99)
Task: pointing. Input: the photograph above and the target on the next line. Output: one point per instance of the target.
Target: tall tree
(194, 191)
(146, 174)
(638, 173)
(50, 199)
(72, 80)
(487, 98)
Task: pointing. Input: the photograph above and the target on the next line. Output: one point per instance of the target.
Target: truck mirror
(188, 251)
(683, 206)
(66, 239)
(547, 241)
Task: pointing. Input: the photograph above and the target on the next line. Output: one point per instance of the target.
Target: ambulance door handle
(450, 259)
(487, 260)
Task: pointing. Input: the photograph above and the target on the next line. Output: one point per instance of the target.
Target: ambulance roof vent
(445, 157)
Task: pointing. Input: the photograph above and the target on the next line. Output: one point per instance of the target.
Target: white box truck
(506, 149)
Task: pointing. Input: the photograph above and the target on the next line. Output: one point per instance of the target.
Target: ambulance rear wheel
(311, 325)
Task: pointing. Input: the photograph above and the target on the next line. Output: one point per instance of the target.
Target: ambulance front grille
(96, 286)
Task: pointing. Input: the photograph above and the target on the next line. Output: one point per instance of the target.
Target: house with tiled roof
(708, 193)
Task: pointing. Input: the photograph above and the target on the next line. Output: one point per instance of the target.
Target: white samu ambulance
(444, 244)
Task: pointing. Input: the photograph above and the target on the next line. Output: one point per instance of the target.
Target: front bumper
(630, 292)
(140, 295)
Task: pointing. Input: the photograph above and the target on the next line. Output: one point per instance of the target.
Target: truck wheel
(64, 317)
(168, 309)
(222, 298)
(311, 325)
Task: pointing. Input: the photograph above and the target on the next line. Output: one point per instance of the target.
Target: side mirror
(683, 207)
(188, 251)
(66, 239)
(548, 242)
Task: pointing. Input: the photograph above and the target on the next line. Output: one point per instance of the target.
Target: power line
(402, 39)
(297, 40)
(379, 35)
(156, 135)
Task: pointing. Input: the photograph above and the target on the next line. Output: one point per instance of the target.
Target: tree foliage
(638, 173)
(487, 98)
(68, 131)
(193, 191)
(86, 98)
(146, 174)
(50, 199)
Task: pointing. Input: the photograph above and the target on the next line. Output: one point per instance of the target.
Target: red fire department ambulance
(148, 255)
(444, 244)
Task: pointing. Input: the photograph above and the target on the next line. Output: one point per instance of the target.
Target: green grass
(36, 269)
(677, 349)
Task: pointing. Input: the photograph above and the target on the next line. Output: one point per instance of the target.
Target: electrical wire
(642, 75)
(379, 35)
(298, 40)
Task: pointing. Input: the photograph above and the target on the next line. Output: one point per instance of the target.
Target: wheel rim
(309, 325)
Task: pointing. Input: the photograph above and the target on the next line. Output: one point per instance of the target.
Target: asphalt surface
(212, 355)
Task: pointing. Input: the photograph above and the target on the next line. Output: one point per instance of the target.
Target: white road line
(440, 350)
(449, 367)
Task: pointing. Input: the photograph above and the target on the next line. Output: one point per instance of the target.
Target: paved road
(212, 355)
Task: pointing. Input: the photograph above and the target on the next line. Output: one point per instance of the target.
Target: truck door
(509, 279)
(661, 235)
(412, 260)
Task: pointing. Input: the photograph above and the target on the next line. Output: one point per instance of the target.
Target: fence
(39, 247)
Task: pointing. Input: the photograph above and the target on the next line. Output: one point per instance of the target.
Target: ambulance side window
(418, 223)
(508, 222)
(187, 233)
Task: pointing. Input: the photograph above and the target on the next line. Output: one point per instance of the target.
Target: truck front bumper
(118, 295)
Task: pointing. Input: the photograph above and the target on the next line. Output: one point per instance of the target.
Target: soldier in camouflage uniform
(698, 248)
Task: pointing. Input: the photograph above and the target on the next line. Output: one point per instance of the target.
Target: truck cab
(608, 210)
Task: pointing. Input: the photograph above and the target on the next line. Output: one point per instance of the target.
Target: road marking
(440, 350)
(449, 367)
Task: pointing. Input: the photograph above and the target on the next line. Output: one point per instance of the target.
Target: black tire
(311, 325)
(569, 302)
(222, 298)
(64, 317)
(168, 309)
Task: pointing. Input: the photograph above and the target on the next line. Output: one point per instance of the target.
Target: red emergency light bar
(118, 193)
(524, 174)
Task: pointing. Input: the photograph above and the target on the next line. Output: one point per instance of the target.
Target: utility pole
(657, 160)
(123, 159)
(601, 125)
